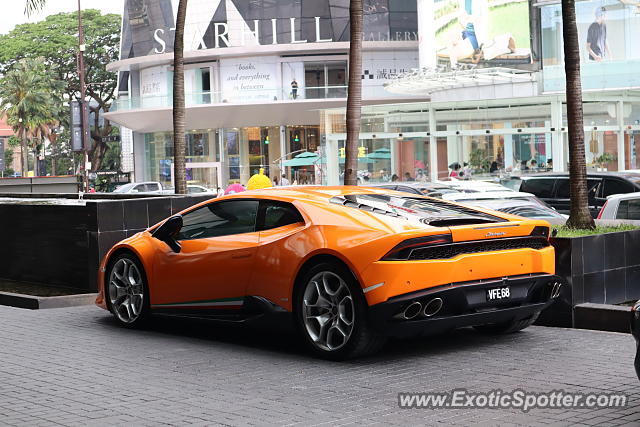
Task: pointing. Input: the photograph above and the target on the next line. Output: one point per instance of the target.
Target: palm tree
(179, 146)
(33, 6)
(579, 216)
(26, 94)
(354, 95)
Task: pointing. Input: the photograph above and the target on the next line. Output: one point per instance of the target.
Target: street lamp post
(83, 89)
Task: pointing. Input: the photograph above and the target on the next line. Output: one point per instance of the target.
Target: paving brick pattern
(75, 366)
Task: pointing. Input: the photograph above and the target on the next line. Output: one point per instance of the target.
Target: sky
(12, 11)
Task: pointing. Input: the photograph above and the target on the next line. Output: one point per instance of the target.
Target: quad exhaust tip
(412, 310)
(432, 307)
(555, 291)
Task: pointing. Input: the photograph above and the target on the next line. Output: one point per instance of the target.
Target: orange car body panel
(266, 263)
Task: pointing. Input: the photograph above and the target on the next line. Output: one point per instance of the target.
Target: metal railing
(240, 96)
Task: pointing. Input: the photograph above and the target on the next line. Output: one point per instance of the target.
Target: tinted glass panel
(412, 208)
(629, 209)
(564, 188)
(278, 214)
(623, 210)
(542, 187)
(220, 219)
(617, 186)
(408, 189)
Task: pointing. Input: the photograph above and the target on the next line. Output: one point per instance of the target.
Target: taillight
(402, 250)
(540, 231)
(602, 210)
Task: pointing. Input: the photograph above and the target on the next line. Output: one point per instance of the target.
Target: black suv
(553, 188)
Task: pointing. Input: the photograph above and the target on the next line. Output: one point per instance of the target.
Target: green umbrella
(303, 159)
(380, 154)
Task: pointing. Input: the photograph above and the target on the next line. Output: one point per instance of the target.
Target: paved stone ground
(75, 366)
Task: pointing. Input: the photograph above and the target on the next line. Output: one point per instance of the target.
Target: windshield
(124, 188)
(428, 211)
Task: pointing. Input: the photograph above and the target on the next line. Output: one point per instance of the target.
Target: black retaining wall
(58, 244)
(601, 269)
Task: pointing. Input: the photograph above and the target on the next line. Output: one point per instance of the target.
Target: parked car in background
(474, 185)
(521, 208)
(624, 207)
(494, 195)
(553, 188)
(199, 189)
(150, 187)
(422, 188)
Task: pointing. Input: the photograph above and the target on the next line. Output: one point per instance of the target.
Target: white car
(471, 186)
(198, 189)
(493, 195)
(624, 207)
(140, 188)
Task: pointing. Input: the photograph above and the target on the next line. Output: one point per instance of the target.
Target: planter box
(601, 269)
(58, 242)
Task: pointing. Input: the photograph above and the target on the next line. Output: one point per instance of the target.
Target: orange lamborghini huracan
(349, 265)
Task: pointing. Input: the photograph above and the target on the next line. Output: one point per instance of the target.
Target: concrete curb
(33, 302)
(602, 317)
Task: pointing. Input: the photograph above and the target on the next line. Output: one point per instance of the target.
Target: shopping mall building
(468, 81)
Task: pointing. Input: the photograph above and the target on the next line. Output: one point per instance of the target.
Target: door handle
(243, 254)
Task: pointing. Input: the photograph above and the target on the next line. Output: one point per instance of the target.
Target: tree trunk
(178, 103)
(24, 154)
(354, 95)
(579, 216)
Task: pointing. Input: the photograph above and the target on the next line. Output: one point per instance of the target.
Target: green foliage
(56, 40)
(13, 141)
(479, 161)
(565, 231)
(30, 97)
(8, 161)
(604, 159)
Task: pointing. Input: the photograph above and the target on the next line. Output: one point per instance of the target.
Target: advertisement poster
(482, 32)
(249, 79)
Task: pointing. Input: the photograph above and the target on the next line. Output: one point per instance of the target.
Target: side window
(629, 209)
(634, 209)
(616, 186)
(152, 187)
(220, 219)
(623, 210)
(138, 189)
(563, 191)
(276, 214)
(541, 187)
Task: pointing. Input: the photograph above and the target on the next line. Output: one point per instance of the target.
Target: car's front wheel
(127, 290)
(332, 314)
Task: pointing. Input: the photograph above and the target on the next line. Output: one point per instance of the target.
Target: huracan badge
(490, 234)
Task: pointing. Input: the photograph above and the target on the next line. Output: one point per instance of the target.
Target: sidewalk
(75, 366)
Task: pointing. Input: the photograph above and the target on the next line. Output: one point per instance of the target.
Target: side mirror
(168, 231)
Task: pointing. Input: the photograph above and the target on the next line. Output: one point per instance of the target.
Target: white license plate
(497, 294)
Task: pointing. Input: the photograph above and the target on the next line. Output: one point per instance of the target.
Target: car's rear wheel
(507, 327)
(127, 290)
(332, 314)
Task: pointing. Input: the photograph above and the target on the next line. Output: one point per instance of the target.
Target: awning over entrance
(426, 81)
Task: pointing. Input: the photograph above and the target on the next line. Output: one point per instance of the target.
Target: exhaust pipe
(432, 307)
(412, 310)
(555, 291)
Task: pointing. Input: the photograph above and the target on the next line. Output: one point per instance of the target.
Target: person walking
(284, 180)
